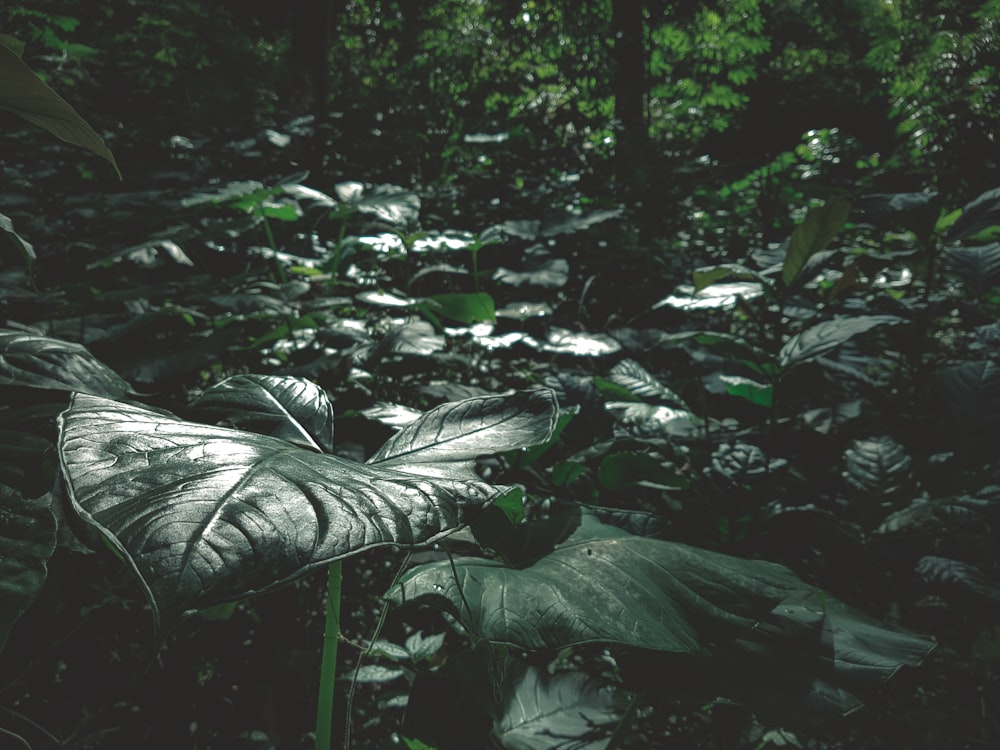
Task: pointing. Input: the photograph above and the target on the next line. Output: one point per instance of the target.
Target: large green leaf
(27, 540)
(446, 441)
(292, 409)
(542, 711)
(978, 216)
(25, 94)
(812, 235)
(969, 395)
(978, 267)
(389, 203)
(824, 337)
(604, 585)
(35, 361)
(206, 515)
(640, 382)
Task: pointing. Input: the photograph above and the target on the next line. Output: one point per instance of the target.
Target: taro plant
(206, 516)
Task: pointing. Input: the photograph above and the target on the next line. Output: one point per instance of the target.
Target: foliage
(724, 479)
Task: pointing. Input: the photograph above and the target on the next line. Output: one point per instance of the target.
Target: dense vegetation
(659, 340)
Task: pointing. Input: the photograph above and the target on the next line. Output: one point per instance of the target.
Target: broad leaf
(446, 441)
(917, 212)
(640, 382)
(473, 307)
(969, 395)
(718, 296)
(576, 222)
(756, 393)
(963, 584)
(292, 409)
(704, 277)
(979, 215)
(619, 471)
(206, 515)
(812, 235)
(878, 466)
(978, 267)
(576, 343)
(826, 336)
(25, 94)
(540, 269)
(542, 711)
(27, 540)
(605, 586)
(389, 203)
(37, 361)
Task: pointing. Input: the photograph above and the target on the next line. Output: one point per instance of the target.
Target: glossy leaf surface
(826, 336)
(978, 215)
(812, 235)
(292, 409)
(640, 382)
(42, 362)
(207, 515)
(978, 266)
(541, 709)
(878, 466)
(26, 95)
(604, 585)
(446, 441)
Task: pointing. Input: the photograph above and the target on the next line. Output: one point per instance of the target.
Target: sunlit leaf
(540, 269)
(580, 344)
(292, 409)
(25, 94)
(42, 362)
(27, 540)
(761, 394)
(650, 419)
(446, 440)
(640, 382)
(721, 296)
(389, 203)
(206, 515)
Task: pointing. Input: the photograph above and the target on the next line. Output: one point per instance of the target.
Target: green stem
(328, 668)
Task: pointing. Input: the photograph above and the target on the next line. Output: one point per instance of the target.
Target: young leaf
(206, 515)
(292, 409)
(445, 441)
(25, 94)
(812, 235)
(27, 540)
(826, 336)
(35, 361)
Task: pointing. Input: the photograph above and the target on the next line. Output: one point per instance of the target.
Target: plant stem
(328, 665)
